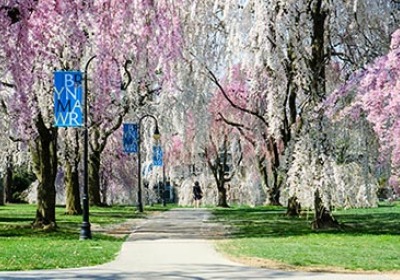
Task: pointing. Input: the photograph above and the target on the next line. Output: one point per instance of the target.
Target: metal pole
(164, 189)
(139, 193)
(140, 203)
(85, 228)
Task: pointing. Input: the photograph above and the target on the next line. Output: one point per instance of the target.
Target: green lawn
(24, 248)
(369, 239)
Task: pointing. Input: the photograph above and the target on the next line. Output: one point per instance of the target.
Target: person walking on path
(197, 194)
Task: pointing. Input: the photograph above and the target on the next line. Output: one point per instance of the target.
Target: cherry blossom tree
(237, 121)
(299, 44)
(272, 64)
(118, 173)
(312, 58)
(145, 33)
(42, 36)
(372, 94)
(33, 44)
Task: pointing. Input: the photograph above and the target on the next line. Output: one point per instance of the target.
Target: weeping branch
(240, 128)
(221, 88)
(7, 84)
(125, 85)
(233, 104)
(234, 124)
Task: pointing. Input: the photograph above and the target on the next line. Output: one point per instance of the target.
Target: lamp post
(164, 190)
(156, 136)
(85, 228)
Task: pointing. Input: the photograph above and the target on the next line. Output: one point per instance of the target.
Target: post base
(85, 231)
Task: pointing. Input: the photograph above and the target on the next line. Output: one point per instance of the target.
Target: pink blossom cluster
(375, 94)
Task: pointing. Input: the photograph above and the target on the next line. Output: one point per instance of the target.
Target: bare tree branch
(234, 105)
(7, 84)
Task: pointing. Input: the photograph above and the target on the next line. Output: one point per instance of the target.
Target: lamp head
(156, 134)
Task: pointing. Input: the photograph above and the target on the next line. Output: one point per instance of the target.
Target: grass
(24, 248)
(368, 239)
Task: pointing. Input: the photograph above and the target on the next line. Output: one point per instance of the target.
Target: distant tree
(145, 33)
(292, 45)
(372, 93)
(246, 107)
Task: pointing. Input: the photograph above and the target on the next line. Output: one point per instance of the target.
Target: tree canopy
(283, 98)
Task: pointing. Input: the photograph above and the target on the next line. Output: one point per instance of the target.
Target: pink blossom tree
(34, 38)
(40, 36)
(234, 118)
(145, 33)
(295, 48)
(372, 94)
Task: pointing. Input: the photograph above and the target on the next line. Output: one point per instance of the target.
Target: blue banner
(157, 155)
(130, 137)
(68, 105)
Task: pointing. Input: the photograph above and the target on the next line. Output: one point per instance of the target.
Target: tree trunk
(73, 204)
(222, 198)
(274, 192)
(2, 193)
(262, 169)
(221, 180)
(217, 166)
(104, 188)
(8, 180)
(274, 195)
(323, 217)
(72, 193)
(293, 207)
(44, 158)
(274, 162)
(94, 178)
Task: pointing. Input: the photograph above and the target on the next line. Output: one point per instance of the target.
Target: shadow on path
(176, 245)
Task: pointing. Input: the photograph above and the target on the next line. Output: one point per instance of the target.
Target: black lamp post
(164, 190)
(156, 136)
(85, 228)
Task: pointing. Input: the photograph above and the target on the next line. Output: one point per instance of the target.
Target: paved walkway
(176, 245)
